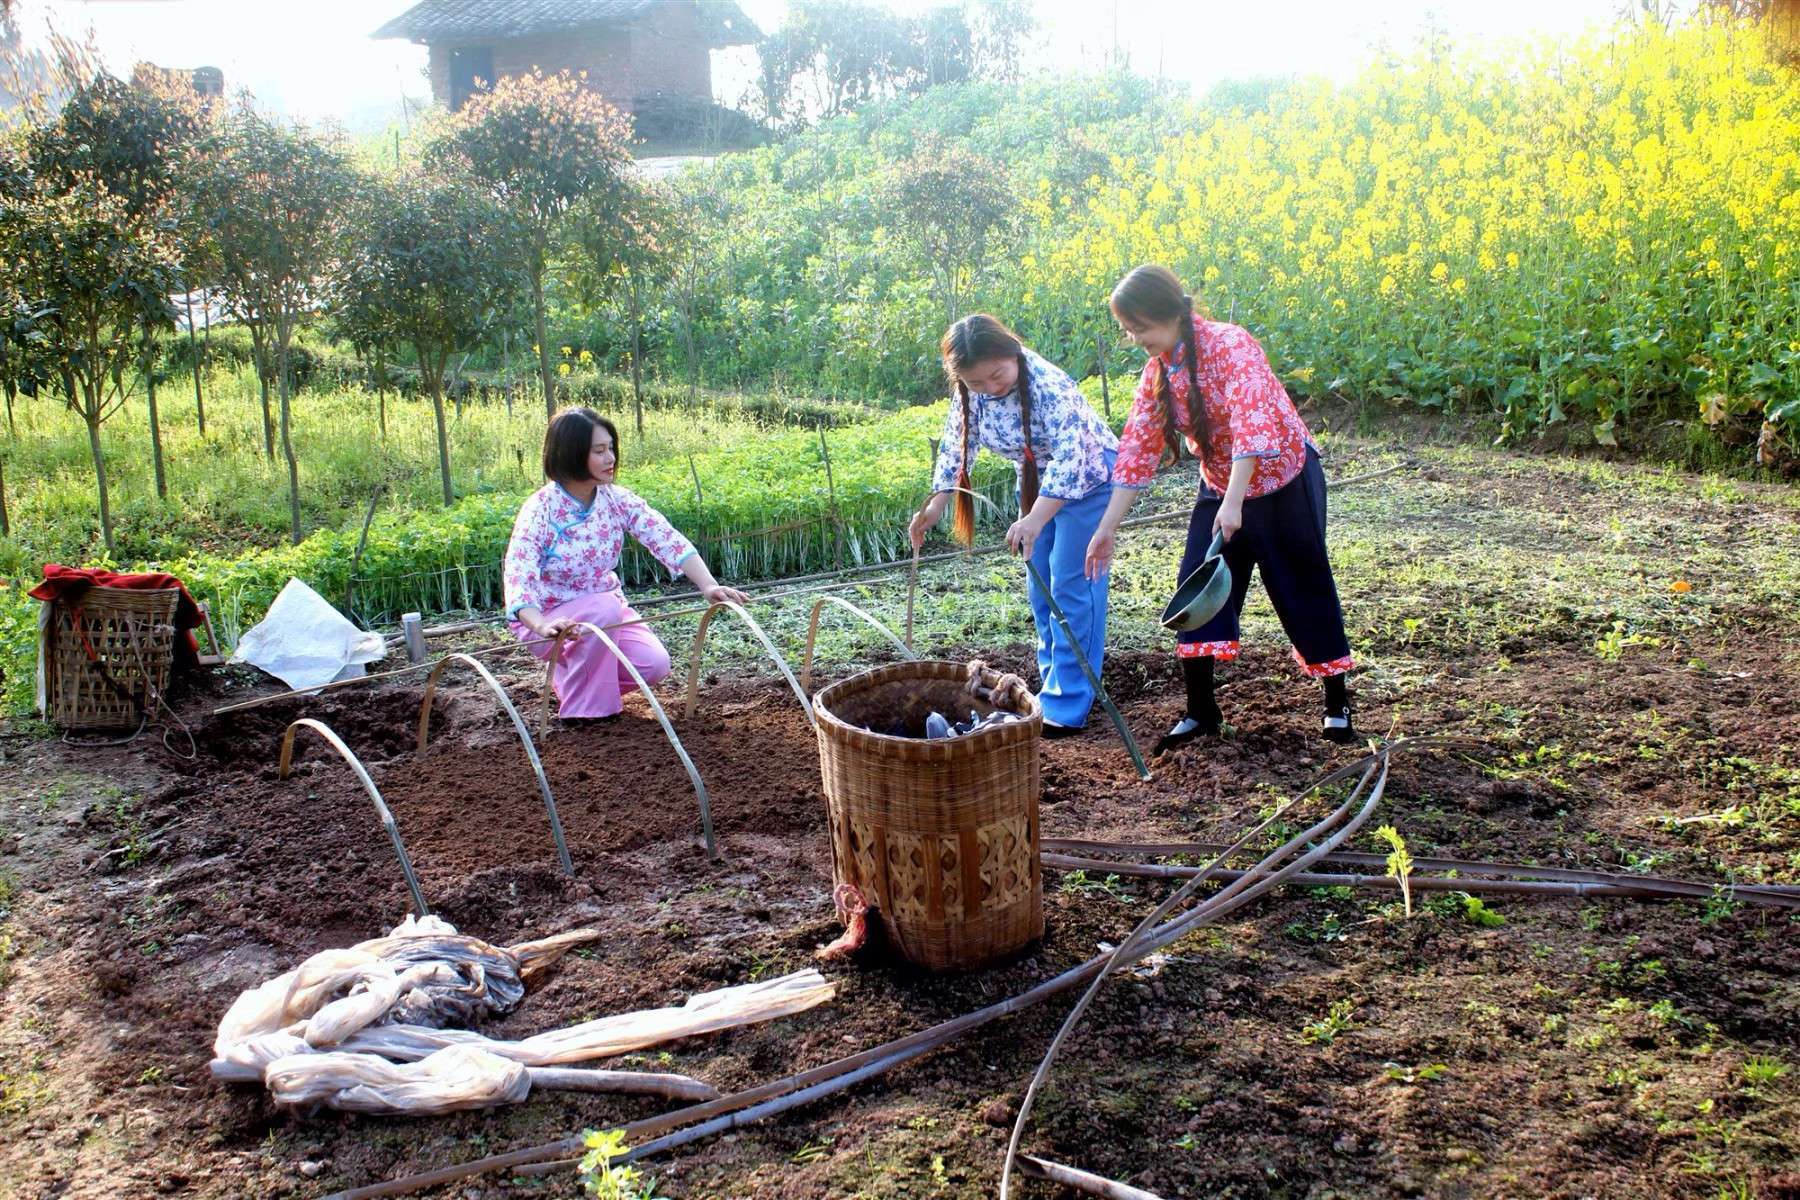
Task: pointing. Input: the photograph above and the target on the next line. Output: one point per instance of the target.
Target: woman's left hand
(1023, 535)
(719, 594)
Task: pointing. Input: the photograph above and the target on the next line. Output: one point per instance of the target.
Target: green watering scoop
(1202, 594)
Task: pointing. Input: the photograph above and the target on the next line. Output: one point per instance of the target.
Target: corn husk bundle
(372, 1028)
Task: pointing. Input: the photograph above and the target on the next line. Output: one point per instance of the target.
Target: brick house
(635, 52)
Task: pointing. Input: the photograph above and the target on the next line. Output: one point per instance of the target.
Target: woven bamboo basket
(939, 836)
(108, 657)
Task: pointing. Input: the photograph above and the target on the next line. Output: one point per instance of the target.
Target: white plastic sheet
(304, 642)
(337, 1030)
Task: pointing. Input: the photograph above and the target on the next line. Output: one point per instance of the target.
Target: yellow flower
(562, 368)
(566, 351)
(1388, 286)
(587, 356)
(1440, 273)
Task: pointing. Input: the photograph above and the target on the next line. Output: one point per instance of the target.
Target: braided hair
(979, 338)
(1152, 294)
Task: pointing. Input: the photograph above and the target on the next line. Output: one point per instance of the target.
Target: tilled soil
(1522, 1059)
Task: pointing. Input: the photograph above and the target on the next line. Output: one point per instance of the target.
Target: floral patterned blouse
(560, 549)
(1248, 414)
(1068, 438)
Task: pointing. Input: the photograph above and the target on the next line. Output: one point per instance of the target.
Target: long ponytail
(962, 522)
(1028, 469)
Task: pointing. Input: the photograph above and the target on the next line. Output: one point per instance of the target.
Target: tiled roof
(495, 20)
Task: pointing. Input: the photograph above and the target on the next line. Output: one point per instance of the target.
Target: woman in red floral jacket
(1262, 490)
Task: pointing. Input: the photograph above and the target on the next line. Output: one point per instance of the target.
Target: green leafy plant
(1326, 1029)
(1399, 863)
(602, 1178)
(1478, 913)
(1427, 1073)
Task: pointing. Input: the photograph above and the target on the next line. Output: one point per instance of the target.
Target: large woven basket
(108, 656)
(939, 836)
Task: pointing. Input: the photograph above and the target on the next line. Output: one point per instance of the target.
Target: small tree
(954, 208)
(134, 139)
(94, 274)
(540, 144)
(432, 264)
(274, 199)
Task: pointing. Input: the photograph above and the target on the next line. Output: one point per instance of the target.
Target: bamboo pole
(1644, 890)
(1081, 1181)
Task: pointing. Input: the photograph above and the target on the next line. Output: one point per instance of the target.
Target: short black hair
(567, 441)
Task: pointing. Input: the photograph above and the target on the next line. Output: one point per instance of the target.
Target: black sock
(1197, 673)
(1337, 700)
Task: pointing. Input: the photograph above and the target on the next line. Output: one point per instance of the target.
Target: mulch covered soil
(141, 923)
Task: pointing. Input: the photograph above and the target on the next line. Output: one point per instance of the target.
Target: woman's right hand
(1100, 552)
(923, 520)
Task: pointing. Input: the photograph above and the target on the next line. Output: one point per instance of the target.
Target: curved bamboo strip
(693, 679)
(537, 766)
(362, 776)
(812, 634)
(706, 825)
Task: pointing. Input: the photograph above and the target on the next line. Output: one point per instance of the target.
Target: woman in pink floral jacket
(560, 566)
(1262, 490)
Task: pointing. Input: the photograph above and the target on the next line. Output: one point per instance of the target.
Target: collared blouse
(1068, 438)
(1248, 414)
(561, 549)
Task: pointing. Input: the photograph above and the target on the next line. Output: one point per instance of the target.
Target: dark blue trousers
(1283, 537)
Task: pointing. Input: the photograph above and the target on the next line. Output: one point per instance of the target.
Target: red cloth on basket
(68, 583)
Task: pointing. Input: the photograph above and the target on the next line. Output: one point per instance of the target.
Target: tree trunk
(287, 433)
(381, 388)
(5, 521)
(434, 379)
(91, 415)
(156, 454)
(12, 390)
(194, 352)
(506, 369)
(637, 353)
(543, 343)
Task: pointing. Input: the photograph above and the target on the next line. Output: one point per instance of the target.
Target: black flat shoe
(1339, 728)
(1052, 732)
(1188, 729)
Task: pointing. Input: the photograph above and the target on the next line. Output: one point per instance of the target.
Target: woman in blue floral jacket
(1065, 472)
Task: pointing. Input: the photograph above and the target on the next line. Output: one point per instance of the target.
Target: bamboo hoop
(693, 678)
(537, 765)
(812, 634)
(706, 825)
(1087, 668)
(362, 776)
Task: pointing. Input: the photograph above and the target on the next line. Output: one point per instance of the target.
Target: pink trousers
(590, 681)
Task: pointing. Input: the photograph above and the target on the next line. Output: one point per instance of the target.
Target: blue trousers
(1060, 556)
